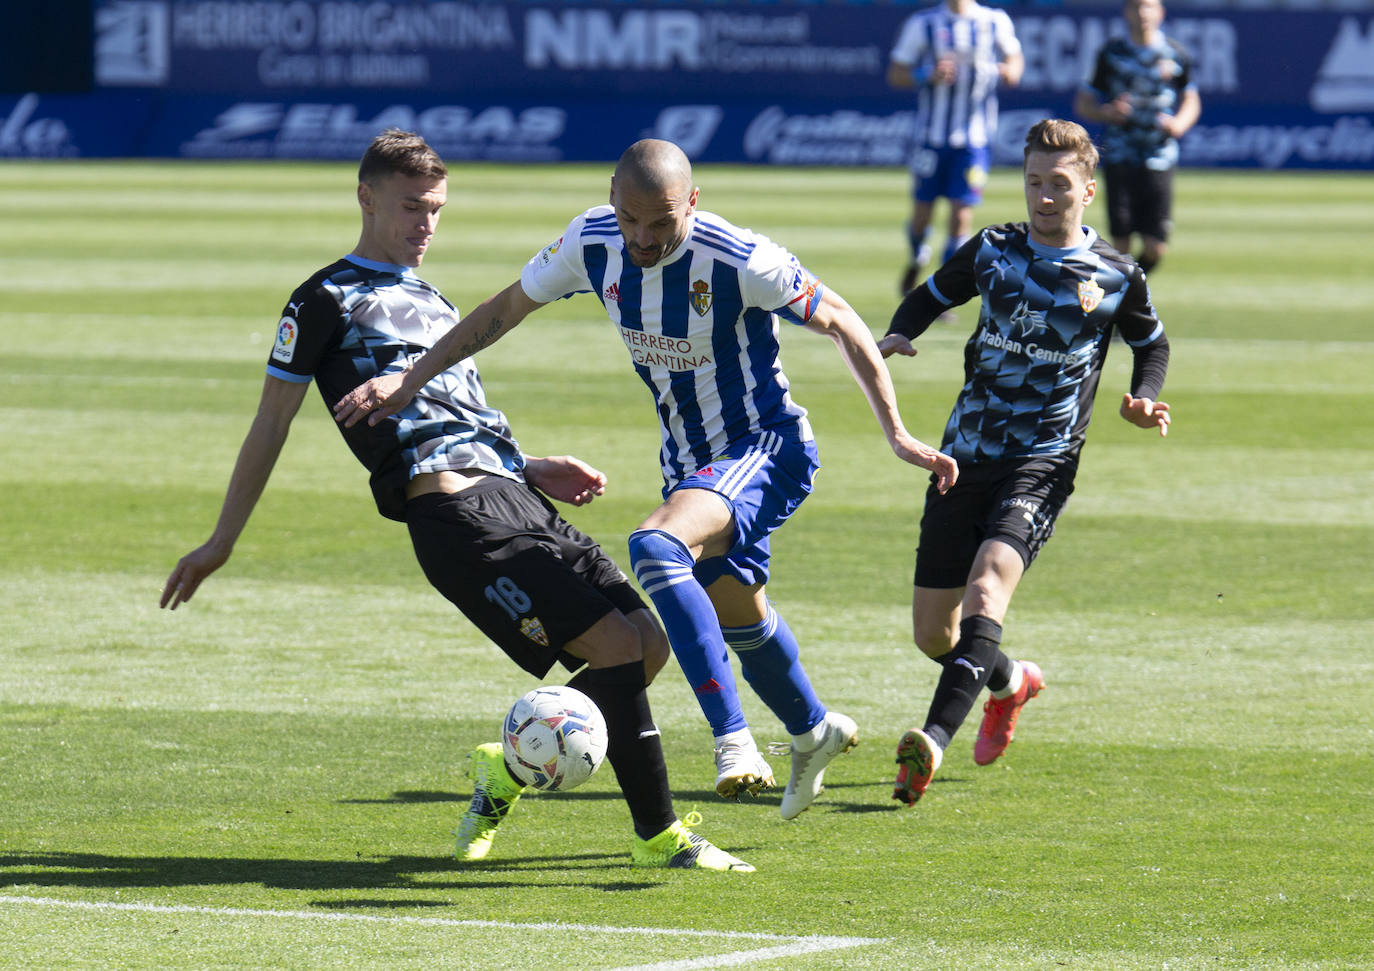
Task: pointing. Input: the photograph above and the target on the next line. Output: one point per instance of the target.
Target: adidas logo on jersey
(612, 294)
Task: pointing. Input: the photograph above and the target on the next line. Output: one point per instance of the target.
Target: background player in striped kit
(1142, 90)
(697, 302)
(1052, 294)
(954, 55)
(449, 467)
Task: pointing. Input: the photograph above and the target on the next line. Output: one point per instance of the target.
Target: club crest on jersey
(534, 630)
(701, 297)
(285, 347)
(1090, 295)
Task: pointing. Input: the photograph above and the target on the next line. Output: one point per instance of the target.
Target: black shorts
(528, 579)
(1016, 501)
(1139, 200)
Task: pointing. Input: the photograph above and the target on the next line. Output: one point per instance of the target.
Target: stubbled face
(1057, 193)
(400, 215)
(653, 222)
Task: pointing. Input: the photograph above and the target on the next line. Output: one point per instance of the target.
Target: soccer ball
(554, 738)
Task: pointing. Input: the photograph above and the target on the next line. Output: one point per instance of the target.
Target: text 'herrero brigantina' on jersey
(659, 350)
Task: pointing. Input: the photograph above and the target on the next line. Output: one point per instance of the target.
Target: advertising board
(731, 82)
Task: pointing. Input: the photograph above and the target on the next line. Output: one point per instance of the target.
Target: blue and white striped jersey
(701, 326)
(962, 114)
(356, 319)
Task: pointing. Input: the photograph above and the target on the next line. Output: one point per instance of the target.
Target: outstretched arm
(565, 478)
(387, 394)
(837, 320)
(258, 455)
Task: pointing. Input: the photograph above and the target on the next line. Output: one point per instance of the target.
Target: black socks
(634, 748)
(975, 662)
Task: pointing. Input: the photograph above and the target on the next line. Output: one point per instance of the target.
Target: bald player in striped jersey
(698, 303)
(954, 55)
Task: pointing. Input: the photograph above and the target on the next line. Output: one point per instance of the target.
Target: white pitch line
(788, 946)
(799, 945)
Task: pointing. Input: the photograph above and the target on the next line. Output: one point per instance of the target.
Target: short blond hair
(1055, 136)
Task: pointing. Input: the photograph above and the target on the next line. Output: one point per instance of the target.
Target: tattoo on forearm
(479, 340)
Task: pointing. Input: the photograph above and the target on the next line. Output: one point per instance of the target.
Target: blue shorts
(956, 174)
(763, 479)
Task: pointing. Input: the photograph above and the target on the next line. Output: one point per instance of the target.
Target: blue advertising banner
(730, 82)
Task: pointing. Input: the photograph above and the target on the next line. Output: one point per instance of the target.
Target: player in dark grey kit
(449, 467)
(1142, 90)
(1052, 295)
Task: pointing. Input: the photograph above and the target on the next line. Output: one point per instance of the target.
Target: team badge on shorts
(534, 630)
(701, 297)
(1090, 295)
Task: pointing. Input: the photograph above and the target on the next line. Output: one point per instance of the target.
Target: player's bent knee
(934, 641)
(654, 546)
(654, 642)
(988, 596)
(611, 641)
(933, 632)
(935, 614)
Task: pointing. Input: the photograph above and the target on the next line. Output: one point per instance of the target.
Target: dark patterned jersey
(1155, 77)
(356, 319)
(1032, 365)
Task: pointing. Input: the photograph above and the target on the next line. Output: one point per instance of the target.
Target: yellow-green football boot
(494, 792)
(677, 847)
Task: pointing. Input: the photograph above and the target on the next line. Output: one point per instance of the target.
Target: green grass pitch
(268, 776)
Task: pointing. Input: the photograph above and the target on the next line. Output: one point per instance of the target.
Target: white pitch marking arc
(786, 946)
